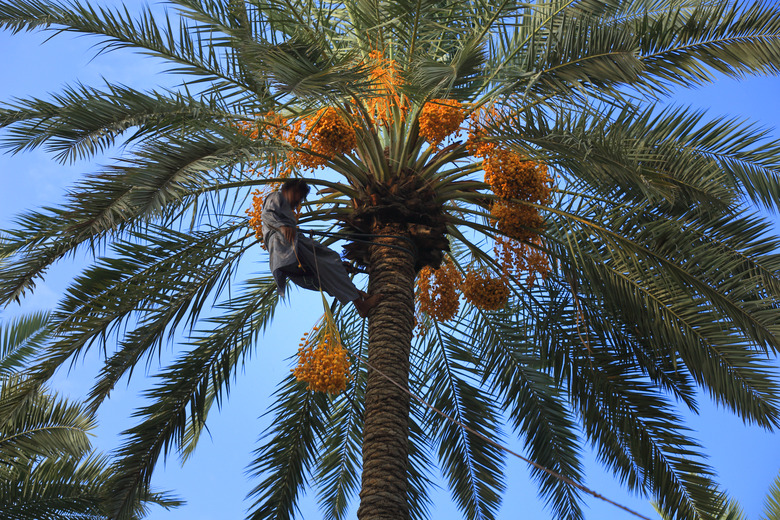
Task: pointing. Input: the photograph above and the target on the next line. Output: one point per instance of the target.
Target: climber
(306, 262)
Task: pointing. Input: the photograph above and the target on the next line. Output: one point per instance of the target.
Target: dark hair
(298, 185)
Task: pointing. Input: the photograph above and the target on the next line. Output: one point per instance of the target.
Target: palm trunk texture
(383, 494)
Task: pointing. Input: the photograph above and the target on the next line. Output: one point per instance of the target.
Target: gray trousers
(322, 269)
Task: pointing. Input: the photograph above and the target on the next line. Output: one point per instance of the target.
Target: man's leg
(329, 273)
(326, 267)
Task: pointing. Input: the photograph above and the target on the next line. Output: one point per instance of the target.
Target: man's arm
(288, 232)
(278, 215)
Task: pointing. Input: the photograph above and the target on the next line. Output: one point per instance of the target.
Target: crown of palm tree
(607, 249)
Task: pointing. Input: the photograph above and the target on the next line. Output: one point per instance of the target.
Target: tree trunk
(383, 495)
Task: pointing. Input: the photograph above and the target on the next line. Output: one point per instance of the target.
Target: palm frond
(181, 395)
(287, 457)
(161, 37)
(532, 399)
(772, 502)
(729, 38)
(473, 468)
(112, 293)
(20, 340)
(43, 426)
(162, 178)
(622, 412)
(68, 488)
(82, 121)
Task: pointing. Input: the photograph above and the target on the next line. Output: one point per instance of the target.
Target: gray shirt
(321, 267)
(276, 214)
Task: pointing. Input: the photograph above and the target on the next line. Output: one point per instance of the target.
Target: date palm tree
(48, 469)
(587, 259)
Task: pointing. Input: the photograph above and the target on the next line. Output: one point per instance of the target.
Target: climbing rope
(368, 238)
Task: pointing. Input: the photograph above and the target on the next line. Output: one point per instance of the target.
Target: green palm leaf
(536, 406)
(473, 467)
(184, 391)
(47, 467)
(286, 459)
(20, 340)
(772, 502)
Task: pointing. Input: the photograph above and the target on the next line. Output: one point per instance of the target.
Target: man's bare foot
(367, 302)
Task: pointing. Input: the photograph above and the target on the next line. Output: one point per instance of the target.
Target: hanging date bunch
(323, 362)
(255, 213)
(520, 186)
(440, 118)
(437, 291)
(315, 139)
(310, 141)
(513, 178)
(328, 135)
(485, 290)
(519, 221)
(522, 260)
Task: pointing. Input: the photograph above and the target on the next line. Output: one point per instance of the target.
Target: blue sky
(213, 482)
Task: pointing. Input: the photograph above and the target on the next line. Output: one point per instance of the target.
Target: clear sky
(213, 482)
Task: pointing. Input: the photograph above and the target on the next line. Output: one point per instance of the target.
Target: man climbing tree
(522, 178)
(303, 260)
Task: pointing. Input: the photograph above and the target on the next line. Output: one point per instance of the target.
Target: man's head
(295, 191)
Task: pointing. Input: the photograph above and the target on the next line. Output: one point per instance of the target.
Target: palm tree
(48, 469)
(514, 160)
